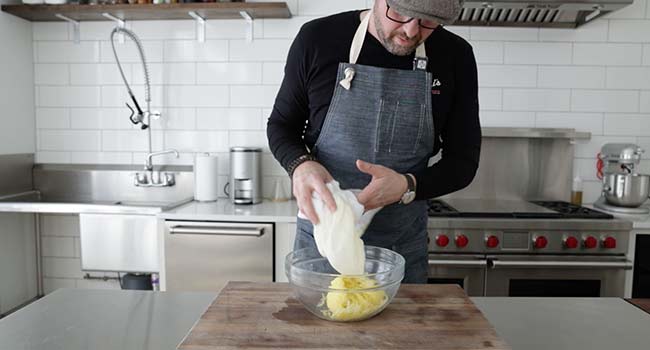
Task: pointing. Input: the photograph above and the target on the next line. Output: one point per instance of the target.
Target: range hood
(536, 13)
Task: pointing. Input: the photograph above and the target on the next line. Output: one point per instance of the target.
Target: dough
(348, 305)
(336, 236)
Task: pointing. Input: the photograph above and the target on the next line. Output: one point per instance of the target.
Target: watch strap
(296, 162)
(410, 183)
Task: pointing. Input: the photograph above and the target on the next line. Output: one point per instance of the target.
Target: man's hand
(386, 187)
(308, 177)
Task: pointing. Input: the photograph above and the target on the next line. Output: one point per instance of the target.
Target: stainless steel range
(521, 248)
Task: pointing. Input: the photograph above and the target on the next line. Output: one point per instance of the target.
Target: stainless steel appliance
(205, 255)
(493, 240)
(536, 13)
(521, 248)
(624, 190)
(245, 186)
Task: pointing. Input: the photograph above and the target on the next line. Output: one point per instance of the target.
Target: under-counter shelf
(128, 12)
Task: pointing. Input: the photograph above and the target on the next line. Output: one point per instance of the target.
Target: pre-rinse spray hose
(147, 87)
(136, 40)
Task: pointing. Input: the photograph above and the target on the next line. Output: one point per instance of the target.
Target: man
(367, 99)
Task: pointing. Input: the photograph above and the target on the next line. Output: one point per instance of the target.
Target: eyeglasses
(396, 17)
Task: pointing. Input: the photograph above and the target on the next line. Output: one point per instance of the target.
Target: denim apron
(382, 116)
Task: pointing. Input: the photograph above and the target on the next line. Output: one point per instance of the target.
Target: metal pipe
(39, 259)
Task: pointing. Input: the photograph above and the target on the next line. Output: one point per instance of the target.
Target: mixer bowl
(626, 190)
(334, 297)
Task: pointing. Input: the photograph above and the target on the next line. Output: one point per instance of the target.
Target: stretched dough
(338, 234)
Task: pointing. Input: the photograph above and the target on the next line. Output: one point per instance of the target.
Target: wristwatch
(409, 195)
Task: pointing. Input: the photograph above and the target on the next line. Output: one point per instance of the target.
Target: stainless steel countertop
(640, 222)
(567, 323)
(76, 319)
(32, 202)
(224, 210)
(267, 211)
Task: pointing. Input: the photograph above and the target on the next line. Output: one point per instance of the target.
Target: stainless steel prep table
(74, 319)
(112, 319)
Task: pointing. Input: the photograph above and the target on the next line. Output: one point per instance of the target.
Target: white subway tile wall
(218, 94)
(61, 256)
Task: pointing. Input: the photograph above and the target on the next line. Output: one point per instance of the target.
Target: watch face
(408, 197)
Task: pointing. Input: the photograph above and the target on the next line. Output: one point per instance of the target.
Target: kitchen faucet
(148, 164)
(143, 117)
(151, 178)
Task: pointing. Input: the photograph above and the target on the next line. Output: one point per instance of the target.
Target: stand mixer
(624, 190)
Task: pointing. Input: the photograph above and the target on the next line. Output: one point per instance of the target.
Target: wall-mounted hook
(75, 27)
(249, 32)
(120, 23)
(200, 26)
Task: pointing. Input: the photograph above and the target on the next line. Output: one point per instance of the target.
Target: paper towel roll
(206, 177)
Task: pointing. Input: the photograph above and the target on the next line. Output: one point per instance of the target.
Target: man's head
(403, 24)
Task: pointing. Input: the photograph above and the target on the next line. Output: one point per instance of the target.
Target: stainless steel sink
(154, 204)
(35, 202)
(69, 188)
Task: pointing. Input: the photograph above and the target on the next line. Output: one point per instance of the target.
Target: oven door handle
(458, 263)
(625, 265)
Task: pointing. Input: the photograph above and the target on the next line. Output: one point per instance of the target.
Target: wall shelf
(209, 10)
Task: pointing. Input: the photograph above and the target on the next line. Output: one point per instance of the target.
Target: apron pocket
(400, 127)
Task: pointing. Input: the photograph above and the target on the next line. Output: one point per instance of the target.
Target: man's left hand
(386, 187)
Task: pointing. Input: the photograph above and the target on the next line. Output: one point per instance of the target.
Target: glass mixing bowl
(331, 296)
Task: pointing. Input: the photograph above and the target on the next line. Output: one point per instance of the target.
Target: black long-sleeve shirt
(310, 77)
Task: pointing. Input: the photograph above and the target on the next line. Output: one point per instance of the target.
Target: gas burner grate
(572, 211)
(440, 208)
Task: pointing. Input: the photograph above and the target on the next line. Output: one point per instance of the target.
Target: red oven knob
(590, 242)
(461, 241)
(540, 242)
(571, 242)
(609, 243)
(492, 241)
(442, 240)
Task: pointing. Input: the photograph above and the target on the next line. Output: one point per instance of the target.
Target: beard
(389, 40)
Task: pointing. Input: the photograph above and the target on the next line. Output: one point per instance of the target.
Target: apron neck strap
(360, 36)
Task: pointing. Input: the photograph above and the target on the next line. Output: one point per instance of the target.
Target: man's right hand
(308, 177)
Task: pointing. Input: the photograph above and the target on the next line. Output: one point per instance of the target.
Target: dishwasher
(205, 255)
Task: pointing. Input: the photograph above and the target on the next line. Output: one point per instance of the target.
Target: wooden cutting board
(249, 315)
(643, 304)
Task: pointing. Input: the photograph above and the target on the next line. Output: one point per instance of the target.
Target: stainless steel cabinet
(18, 276)
(205, 255)
(116, 242)
(285, 233)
